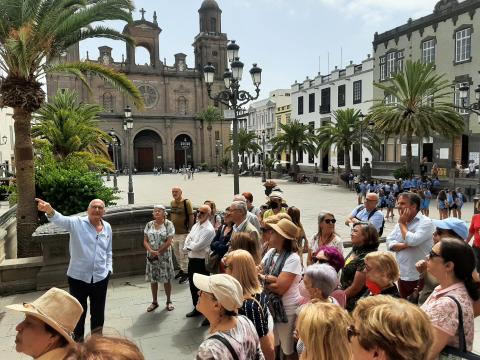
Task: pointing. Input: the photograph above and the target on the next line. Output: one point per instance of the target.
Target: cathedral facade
(168, 133)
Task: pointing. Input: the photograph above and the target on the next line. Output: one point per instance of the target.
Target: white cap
(226, 289)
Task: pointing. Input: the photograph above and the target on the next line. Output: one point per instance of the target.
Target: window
(213, 24)
(356, 155)
(357, 92)
(428, 51)
(300, 156)
(390, 64)
(382, 68)
(182, 106)
(341, 95)
(300, 105)
(217, 135)
(400, 61)
(287, 118)
(341, 157)
(458, 100)
(463, 45)
(311, 154)
(108, 102)
(325, 106)
(279, 121)
(390, 99)
(311, 102)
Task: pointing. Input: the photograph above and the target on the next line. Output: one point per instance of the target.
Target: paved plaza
(167, 335)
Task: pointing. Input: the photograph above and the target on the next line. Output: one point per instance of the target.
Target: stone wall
(128, 222)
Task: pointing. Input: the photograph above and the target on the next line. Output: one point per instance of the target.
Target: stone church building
(168, 132)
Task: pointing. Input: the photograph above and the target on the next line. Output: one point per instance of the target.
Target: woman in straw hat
(281, 272)
(231, 336)
(47, 329)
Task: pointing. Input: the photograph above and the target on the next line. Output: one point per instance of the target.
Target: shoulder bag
(274, 301)
(450, 352)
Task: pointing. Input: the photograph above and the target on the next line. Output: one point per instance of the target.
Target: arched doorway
(147, 148)
(183, 151)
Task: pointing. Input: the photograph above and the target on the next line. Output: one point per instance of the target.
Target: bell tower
(211, 44)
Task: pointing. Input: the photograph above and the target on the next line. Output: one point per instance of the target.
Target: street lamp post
(474, 108)
(264, 170)
(218, 150)
(352, 128)
(127, 127)
(114, 145)
(233, 97)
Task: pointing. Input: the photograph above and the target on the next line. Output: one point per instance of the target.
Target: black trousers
(97, 292)
(195, 266)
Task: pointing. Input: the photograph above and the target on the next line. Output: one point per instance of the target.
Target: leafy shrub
(401, 173)
(70, 185)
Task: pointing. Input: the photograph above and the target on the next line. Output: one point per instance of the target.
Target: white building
(7, 141)
(314, 101)
(261, 117)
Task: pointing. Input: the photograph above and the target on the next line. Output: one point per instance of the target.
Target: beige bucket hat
(226, 289)
(56, 308)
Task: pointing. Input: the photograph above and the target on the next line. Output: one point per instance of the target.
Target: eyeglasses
(432, 254)
(351, 332)
(330, 221)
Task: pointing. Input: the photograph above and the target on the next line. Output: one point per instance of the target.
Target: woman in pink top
(474, 232)
(451, 262)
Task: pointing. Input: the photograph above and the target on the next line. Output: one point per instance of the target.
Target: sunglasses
(319, 260)
(201, 212)
(265, 230)
(330, 221)
(351, 332)
(432, 254)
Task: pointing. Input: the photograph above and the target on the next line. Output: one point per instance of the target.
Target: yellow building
(282, 116)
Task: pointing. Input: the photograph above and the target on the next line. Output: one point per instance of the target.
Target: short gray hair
(242, 205)
(323, 277)
(239, 197)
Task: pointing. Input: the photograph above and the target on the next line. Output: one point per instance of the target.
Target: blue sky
(285, 37)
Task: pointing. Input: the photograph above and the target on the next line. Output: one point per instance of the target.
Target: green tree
(349, 129)
(420, 104)
(71, 127)
(269, 165)
(33, 36)
(210, 116)
(294, 137)
(247, 145)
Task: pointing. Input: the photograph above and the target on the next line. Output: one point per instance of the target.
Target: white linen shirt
(420, 239)
(90, 252)
(198, 240)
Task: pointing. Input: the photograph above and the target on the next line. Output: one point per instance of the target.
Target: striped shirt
(257, 313)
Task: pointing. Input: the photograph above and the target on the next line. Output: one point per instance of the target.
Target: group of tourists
(266, 290)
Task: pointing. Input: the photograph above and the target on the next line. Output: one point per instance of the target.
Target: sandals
(152, 306)
(170, 306)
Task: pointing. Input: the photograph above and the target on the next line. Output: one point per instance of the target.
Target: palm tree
(348, 130)
(210, 115)
(33, 34)
(294, 137)
(421, 106)
(71, 127)
(247, 144)
(269, 165)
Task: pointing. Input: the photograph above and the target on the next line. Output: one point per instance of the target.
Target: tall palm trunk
(209, 128)
(294, 163)
(409, 157)
(346, 157)
(25, 177)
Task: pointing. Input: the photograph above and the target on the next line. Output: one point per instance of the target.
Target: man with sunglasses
(411, 240)
(367, 212)
(197, 246)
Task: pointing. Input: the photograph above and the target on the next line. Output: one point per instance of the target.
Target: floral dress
(159, 270)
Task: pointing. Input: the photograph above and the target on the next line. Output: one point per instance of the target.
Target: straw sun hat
(286, 228)
(56, 308)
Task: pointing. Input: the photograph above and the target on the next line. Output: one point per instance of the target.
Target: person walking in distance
(90, 260)
(181, 215)
(197, 246)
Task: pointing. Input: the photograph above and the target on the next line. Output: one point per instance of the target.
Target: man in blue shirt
(90, 260)
(367, 213)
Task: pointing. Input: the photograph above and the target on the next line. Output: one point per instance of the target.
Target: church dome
(209, 4)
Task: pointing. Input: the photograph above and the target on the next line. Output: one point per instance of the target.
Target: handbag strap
(461, 331)
(227, 345)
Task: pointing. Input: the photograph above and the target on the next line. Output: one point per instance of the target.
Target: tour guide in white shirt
(197, 245)
(411, 239)
(90, 260)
